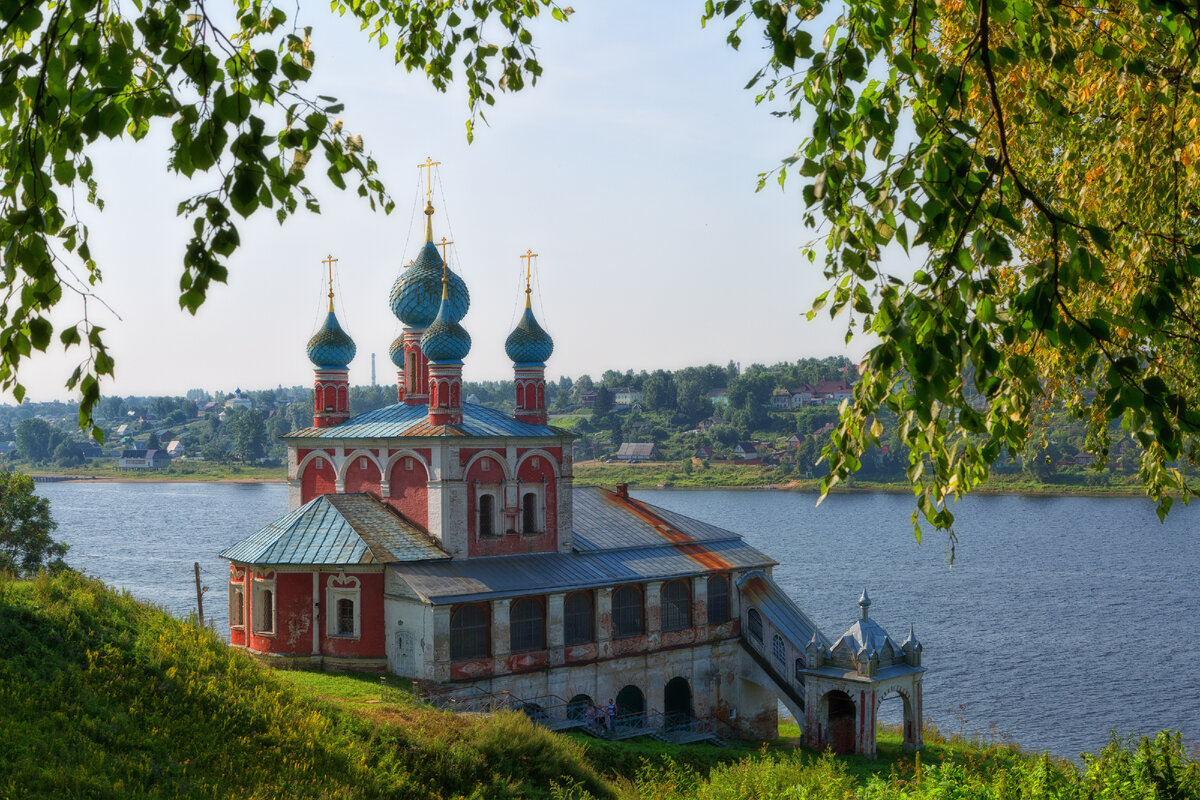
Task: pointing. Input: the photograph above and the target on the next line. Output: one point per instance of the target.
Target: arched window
(487, 515)
(676, 606)
(345, 617)
(529, 515)
(266, 611)
(237, 606)
(578, 619)
(469, 632)
(718, 599)
(526, 625)
(754, 620)
(777, 648)
(627, 612)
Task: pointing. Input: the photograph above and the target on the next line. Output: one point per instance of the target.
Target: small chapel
(444, 542)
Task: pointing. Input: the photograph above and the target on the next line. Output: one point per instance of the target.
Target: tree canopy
(25, 528)
(1035, 161)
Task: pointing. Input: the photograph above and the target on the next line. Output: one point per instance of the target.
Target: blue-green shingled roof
(396, 352)
(331, 347)
(417, 293)
(338, 530)
(402, 419)
(445, 341)
(529, 343)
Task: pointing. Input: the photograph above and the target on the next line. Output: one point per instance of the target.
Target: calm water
(1061, 618)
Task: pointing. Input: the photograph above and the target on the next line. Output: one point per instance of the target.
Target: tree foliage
(25, 528)
(1036, 160)
(230, 84)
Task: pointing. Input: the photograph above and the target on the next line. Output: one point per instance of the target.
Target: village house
(745, 450)
(624, 397)
(638, 451)
(446, 543)
(143, 459)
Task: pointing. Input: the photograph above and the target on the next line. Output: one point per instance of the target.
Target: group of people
(604, 719)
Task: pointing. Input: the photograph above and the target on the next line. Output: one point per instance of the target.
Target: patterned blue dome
(331, 347)
(528, 343)
(445, 341)
(396, 352)
(417, 293)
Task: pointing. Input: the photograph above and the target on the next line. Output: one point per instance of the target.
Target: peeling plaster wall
(409, 625)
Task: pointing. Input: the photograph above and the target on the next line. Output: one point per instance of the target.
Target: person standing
(612, 715)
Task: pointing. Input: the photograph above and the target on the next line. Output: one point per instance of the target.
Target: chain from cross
(428, 167)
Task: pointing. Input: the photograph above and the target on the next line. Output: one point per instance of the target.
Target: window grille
(345, 617)
(718, 599)
(578, 619)
(627, 612)
(526, 625)
(469, 632)
(777, 648)
(676, 602)
(754, 620)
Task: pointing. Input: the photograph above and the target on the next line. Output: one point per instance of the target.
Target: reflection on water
(1061, 618)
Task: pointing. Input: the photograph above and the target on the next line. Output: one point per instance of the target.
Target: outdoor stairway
(557, 714)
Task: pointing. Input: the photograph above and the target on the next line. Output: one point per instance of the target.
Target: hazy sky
(630, 168)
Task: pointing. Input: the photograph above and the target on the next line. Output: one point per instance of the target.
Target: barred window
(345, 617)
(529, 515)
(578, 619)
(777, 647)
(527, 625)
(754, 620)
(237, 607)
(676, 605)
(469, 632)
(718, 599)
(627, 612)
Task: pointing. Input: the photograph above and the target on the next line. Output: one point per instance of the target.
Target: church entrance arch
(896, 711)
(839, 712)
(630, 703)
(677, 702)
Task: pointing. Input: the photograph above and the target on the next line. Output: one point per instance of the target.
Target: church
(444, 542)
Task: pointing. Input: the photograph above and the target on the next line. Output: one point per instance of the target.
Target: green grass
(101, 696)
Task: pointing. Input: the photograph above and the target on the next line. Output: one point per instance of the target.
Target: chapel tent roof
(338, 529)
(403, 420)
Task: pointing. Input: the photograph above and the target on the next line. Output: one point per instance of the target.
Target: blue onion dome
(528, 343)
(396, 352)
(445, 341)
(417, 293)
(331, 347)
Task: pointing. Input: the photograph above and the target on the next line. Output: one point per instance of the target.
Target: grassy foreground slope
(101, 696)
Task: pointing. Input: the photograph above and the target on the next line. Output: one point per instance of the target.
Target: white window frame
(340, 587)
(237, 604)
(264, 584)
(539, 507)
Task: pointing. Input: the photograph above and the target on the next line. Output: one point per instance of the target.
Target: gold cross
(428, 167)
(329, 262)
(442, 244)
(528, 255)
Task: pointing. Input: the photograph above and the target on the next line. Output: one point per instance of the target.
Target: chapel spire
(331, 350)
(529, 346)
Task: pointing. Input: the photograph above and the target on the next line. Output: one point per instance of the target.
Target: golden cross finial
(442, 244)
(428, 167)
(529, 256)
(329, 262)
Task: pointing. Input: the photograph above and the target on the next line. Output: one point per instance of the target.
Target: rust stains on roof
(687, 545)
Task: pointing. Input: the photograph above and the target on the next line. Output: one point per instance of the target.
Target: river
(1060, 618)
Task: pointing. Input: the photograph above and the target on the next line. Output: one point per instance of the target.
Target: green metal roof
(401, 419)
(338, 530)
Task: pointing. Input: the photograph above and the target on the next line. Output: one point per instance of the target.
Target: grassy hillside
(103, 697)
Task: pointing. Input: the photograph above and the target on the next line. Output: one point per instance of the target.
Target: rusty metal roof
(606, 520)
(403, 420)
(509, 576)
(761, 591)
(337, 530)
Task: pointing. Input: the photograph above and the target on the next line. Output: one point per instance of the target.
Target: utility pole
(199, 594)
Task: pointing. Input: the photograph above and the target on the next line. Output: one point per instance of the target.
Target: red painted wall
(317, 478)
(293, 616)
(371, 641)
(360, 478)
(527, 473)
(409, 489)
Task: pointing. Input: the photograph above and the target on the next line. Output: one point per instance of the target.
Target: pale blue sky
(630, 168)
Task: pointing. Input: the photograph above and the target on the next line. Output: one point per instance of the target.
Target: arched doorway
(839, 721)
(894, 711)
(630, 705)
(677, 702)
(577, 707)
